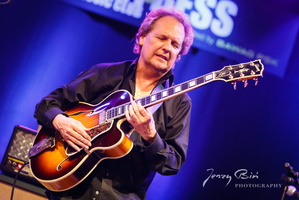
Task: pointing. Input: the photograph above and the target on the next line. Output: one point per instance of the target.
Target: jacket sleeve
(68, 96)
(167, 153)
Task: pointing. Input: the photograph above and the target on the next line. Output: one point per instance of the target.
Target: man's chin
(162, 68)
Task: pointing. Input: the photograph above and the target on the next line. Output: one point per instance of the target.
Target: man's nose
(167, 46)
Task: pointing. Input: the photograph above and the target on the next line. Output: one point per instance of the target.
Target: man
(160, 138)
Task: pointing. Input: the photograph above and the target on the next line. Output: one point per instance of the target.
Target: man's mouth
(163, 57)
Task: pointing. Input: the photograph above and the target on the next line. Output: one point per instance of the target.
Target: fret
(147, 100)
(126, 107)
(185, 86)
(170, 91)
(159, 95)
(199, 80)
(117, 111)
(114, 112)
(108, 114)
(111, 113)
(143, 102)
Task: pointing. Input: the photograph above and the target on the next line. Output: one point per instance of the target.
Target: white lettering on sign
(202, 16)
(205, 14)
(221, 24)
(184, 5)
(103, 3)
(159, 3)
(216, 15)
(127, 7)
(220, 43)
(134, 9)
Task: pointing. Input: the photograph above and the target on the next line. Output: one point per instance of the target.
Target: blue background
(255, 25)
(44, 44)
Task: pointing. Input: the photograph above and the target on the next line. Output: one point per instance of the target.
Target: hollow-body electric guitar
(59, 167)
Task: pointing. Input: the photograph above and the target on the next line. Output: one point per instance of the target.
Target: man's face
(162, 45)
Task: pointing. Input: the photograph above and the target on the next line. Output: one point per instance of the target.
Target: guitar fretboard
(231, 73)
(161, 96)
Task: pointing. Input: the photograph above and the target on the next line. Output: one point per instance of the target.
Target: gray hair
(153, 16)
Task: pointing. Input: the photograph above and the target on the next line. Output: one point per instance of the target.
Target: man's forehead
(167, 18)
(169, 26)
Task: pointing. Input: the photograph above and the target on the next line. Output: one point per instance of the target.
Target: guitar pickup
(45, 143)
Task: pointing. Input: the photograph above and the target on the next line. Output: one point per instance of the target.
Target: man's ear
(141, 40)
(178, 57)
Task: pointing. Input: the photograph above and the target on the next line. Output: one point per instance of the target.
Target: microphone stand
(285, 189)
(291, 177)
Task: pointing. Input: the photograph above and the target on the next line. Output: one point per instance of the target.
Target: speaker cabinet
(22, 191)
(16, 154)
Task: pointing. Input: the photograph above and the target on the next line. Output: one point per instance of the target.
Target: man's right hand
(72, 131)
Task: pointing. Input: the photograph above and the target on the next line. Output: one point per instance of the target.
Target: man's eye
(176, 46)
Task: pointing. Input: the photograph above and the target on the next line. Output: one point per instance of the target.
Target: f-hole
(59, 166)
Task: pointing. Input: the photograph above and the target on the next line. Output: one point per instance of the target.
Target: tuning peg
(256, 81)
(235, 85)
(245, 83)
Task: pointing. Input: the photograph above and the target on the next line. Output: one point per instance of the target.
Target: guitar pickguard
(42, 145)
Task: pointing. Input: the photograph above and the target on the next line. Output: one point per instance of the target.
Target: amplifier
(16, 154)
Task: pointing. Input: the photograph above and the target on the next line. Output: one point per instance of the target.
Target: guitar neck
(231, 73)
(163, 95)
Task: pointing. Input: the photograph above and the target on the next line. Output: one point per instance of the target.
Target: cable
(15, 180)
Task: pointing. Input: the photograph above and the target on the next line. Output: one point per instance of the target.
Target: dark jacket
(130, 176)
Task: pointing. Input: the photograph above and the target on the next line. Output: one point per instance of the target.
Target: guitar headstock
(241, 72)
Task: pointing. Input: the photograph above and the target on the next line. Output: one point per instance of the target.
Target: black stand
(285, 189)
(290, 178)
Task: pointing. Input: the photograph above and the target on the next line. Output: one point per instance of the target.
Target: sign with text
(235, 29)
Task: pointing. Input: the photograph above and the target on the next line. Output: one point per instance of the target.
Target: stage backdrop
(239, 139)
(237, 29)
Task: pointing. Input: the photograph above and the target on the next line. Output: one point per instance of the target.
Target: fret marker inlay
(192, 83)
(153, 98)
(177, 89)
(164, 93)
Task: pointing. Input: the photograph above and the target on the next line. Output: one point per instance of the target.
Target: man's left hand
(142, 121)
